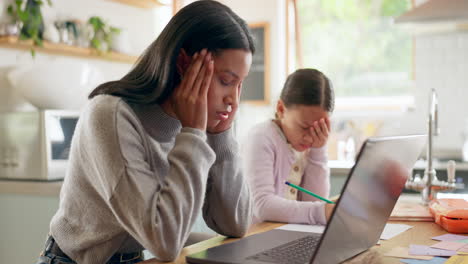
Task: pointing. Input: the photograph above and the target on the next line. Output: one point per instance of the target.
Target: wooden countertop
(421, 234)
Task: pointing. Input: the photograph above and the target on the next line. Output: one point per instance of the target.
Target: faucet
(429, 185)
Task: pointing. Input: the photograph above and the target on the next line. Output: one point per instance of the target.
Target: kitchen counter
(44, 188)
(342, 168)
(41, 188)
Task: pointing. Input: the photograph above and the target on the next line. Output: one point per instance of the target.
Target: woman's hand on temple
(190, 103)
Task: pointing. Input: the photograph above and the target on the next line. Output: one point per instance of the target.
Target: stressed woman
(155, 148)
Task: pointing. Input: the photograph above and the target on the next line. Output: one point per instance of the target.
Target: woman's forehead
(235, 62)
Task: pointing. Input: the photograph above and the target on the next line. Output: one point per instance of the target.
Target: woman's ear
(280, 109)
(183, 62)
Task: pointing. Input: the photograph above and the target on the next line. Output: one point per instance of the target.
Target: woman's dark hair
(308, 87)
(202, 24)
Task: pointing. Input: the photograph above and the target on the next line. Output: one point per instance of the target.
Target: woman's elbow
(168, 253)
(167, 256)
(243, 225)
(239, 231)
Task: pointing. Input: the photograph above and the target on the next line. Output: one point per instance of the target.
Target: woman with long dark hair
(154, 149)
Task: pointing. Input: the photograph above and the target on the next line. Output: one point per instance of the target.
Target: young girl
(155, 148)
(293, 148)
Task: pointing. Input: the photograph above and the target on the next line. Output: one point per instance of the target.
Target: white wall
(273, 12)
(441, 62)
(24, 224)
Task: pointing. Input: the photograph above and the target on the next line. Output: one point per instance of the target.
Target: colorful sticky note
(463, 241)
(450, 237)
(392, 230)
(403, 252)
(449, 245)
(436, 260)
(463, 249)
(423, 250)
(457, 259)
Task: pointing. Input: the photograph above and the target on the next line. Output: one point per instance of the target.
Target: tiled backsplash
(441, 62)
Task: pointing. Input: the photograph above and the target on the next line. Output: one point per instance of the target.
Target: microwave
(36, 145)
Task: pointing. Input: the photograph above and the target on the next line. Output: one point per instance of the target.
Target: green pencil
(309, 192)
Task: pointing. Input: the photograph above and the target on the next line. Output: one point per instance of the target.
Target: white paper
(392, 230)
(389, 231)
(453, 195)
(303, 228)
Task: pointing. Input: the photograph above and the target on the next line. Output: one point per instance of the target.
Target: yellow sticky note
(457, 259)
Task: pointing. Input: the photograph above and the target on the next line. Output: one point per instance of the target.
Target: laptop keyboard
(295, 252)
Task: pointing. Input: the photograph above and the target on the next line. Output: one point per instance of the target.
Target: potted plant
(30, 19)
(103, 33)
(17, 15)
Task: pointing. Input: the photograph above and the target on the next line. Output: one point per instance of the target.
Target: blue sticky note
(435, 260)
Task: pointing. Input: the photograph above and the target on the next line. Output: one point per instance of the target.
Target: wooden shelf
(140, 3)
(65, 50)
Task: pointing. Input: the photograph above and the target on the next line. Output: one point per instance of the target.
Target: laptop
(367, 199)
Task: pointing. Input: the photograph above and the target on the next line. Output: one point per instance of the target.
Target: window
(357, 45)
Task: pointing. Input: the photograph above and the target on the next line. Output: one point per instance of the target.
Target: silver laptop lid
(368, 197)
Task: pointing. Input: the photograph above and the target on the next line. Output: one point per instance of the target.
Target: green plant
(102, 38)
(15, 12)
(30, 18)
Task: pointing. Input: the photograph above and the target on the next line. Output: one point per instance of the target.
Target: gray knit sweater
(138, 180)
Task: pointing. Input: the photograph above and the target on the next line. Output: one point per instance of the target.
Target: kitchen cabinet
(25, 223)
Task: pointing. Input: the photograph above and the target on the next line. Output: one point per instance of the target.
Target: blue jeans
(48, 257)
(52, 259)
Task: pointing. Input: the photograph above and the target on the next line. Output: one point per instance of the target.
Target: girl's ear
(280, 109)
(183, 62)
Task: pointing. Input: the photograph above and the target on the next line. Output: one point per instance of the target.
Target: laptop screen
(368, 197)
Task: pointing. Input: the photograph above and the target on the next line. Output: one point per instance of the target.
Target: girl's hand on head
(190, 97)
(226, 124)
(319, 132)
